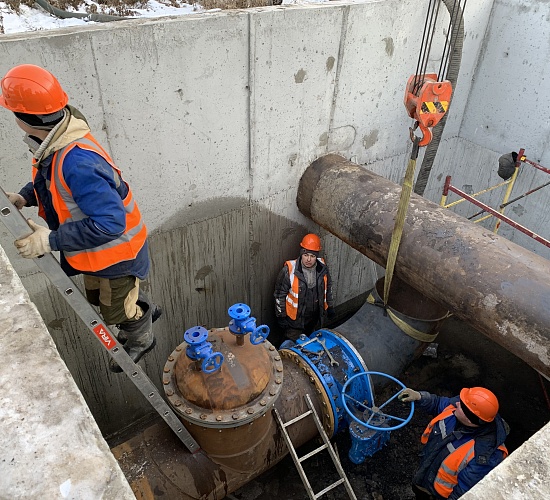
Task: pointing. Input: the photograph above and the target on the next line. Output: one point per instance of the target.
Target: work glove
(409, 395)
(17, 200)
(330, 313)
(36, 244)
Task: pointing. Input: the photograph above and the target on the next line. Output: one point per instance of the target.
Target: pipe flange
(223, 418)
(327, 416)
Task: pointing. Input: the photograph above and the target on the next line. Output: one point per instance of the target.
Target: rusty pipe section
(158, 465)
(498, 287)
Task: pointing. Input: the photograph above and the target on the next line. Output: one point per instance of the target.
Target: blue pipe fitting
(242, 323)
(365, 442)
(199, 349)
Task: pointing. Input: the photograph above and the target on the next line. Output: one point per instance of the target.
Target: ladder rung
(314, 452)
(297, 419)
(329, 487)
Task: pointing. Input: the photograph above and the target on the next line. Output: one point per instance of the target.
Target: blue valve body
(199, 348)
(242, 323)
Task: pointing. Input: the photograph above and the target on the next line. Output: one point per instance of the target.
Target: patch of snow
(36, 19)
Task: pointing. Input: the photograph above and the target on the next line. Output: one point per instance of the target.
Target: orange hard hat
(311, 242)
(32, 90)
(481, 402)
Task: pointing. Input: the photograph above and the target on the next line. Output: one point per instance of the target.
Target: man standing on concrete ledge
(462, 444)
(92, 217)
(303, 293)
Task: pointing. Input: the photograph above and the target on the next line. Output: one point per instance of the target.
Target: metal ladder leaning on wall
(327, 445)
(17, 225)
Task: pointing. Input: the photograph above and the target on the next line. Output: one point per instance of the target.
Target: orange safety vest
(126, 246)
(292, 296)
(447, 475)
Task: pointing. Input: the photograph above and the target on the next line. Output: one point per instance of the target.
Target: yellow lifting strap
(404, 326)
(404, 199)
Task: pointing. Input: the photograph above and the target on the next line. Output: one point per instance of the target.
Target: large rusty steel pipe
(498, 287)
(156, 464)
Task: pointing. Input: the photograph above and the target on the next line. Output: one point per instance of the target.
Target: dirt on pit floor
(465, 358)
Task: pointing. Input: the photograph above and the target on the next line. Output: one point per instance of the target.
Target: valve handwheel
(259, 335)
(212, 362)
(374, 410)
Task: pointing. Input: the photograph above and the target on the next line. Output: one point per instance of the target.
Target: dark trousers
(294, 333)
(421, 494)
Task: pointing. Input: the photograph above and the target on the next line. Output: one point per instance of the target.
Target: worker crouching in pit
(303, 293)
(462, 444)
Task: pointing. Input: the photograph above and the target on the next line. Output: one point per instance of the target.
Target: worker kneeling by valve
(462, 444)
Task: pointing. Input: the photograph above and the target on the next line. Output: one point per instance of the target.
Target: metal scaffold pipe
(498, 287)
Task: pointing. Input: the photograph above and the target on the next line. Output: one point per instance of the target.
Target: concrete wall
(506, 110)
(51, 447)
(213, 118)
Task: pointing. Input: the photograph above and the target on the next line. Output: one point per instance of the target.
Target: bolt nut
(271, 348)
(279, 369)
(166, 370)
(278, 381)
(219, 418)
(170, 358)
(277, 358)
(179, 348)
(203, 416)
(250, 411)
(177, 403)
(169, 392)
(188, 411)
(235, 416)
(166, 381)
(263, 402)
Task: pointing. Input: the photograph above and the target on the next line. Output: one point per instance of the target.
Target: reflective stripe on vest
(126, 246)
(447, 475)
(292, 295)
(447, 412)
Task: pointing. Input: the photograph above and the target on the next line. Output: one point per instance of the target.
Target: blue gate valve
(199, 348)
(242, 323)
(370, 424)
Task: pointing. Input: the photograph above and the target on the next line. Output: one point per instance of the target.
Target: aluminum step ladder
(326, 445)
(17, 225)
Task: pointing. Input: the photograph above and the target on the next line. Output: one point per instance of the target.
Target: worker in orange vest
(462, 444)
(92, 217)
(303, 293)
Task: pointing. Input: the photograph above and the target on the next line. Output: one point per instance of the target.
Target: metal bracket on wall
(17, 225)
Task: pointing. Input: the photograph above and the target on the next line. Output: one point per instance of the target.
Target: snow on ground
(29, 19)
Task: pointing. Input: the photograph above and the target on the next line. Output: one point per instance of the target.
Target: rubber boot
(142, 300)
(139, 334)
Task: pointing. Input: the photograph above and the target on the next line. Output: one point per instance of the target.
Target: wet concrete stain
(370, 139)
(203, 272)
(389, 45)
(300, 76)
(519, 210)
(57, 324)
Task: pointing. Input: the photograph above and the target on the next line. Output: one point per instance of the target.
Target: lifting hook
(427, 101)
